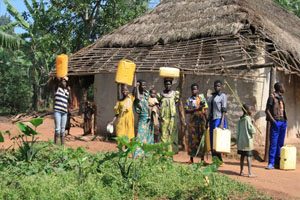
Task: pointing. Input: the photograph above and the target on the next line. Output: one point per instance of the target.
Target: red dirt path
(276, 183)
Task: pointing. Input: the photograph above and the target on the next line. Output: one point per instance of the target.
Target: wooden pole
(268, 129)
(95, 120)
(183, 138)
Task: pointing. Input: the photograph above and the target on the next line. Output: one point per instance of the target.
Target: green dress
(145, 133)
(168, 116)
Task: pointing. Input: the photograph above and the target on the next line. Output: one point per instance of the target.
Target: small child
(245, 133)
(154, 112)
(88, 113)
(68, 124)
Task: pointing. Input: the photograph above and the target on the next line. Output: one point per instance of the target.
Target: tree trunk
(183, 137)
(36, 97)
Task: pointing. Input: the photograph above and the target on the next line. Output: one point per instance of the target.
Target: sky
(18, 4)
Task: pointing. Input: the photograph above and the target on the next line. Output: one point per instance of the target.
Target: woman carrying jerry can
(124, 116)
(62, 102)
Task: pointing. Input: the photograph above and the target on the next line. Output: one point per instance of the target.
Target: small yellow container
(222, 140)
(169, 72)
(125, 72)
(62, 65)
(288, 157)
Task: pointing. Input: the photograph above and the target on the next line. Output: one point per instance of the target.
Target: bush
(59, 173)
(16, 92)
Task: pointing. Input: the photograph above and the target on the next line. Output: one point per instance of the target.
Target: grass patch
(58, 173)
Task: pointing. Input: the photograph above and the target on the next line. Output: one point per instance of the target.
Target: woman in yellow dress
(124, 114)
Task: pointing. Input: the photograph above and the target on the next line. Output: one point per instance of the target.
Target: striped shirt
(61, 100)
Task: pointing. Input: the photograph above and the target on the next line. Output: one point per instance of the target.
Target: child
(68, 124)
(154, 112)
(245, 134)
(88, 113)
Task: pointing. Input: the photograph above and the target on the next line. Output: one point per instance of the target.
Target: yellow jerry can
(61, 65)
(221, 140)
(125, 72)
(169, 72)
(288, 157)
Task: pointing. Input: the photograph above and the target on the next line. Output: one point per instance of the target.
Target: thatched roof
(174, 21)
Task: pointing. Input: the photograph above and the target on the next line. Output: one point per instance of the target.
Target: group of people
(157, 115)
(157, 118)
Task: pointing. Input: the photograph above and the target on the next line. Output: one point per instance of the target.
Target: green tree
(291, 5)
(7, 38)
(84, 21)
(15, 94)
(64, 26)
(35, 46)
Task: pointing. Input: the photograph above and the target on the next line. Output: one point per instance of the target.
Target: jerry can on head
(169, 72)
(61, 65)
(125, 72)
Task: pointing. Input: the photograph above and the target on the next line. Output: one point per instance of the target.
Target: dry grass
(177, 20)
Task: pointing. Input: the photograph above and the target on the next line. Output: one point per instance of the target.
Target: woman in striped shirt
(61, 107)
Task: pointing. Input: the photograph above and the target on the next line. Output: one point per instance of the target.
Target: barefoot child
(245, 133)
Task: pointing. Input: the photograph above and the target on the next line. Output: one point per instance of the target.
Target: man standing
(217, 108)
(276, 114)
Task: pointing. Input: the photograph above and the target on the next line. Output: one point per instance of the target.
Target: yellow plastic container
(62, 65)
(222, 140)
(288, 157)
(125, 72)
(169, 72)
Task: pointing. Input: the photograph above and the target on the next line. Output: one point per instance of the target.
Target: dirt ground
(276, 183)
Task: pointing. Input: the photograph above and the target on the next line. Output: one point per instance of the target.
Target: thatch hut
(248, 43)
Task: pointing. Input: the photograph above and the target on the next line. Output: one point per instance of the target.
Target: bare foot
(204, 162)
(190, 162)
